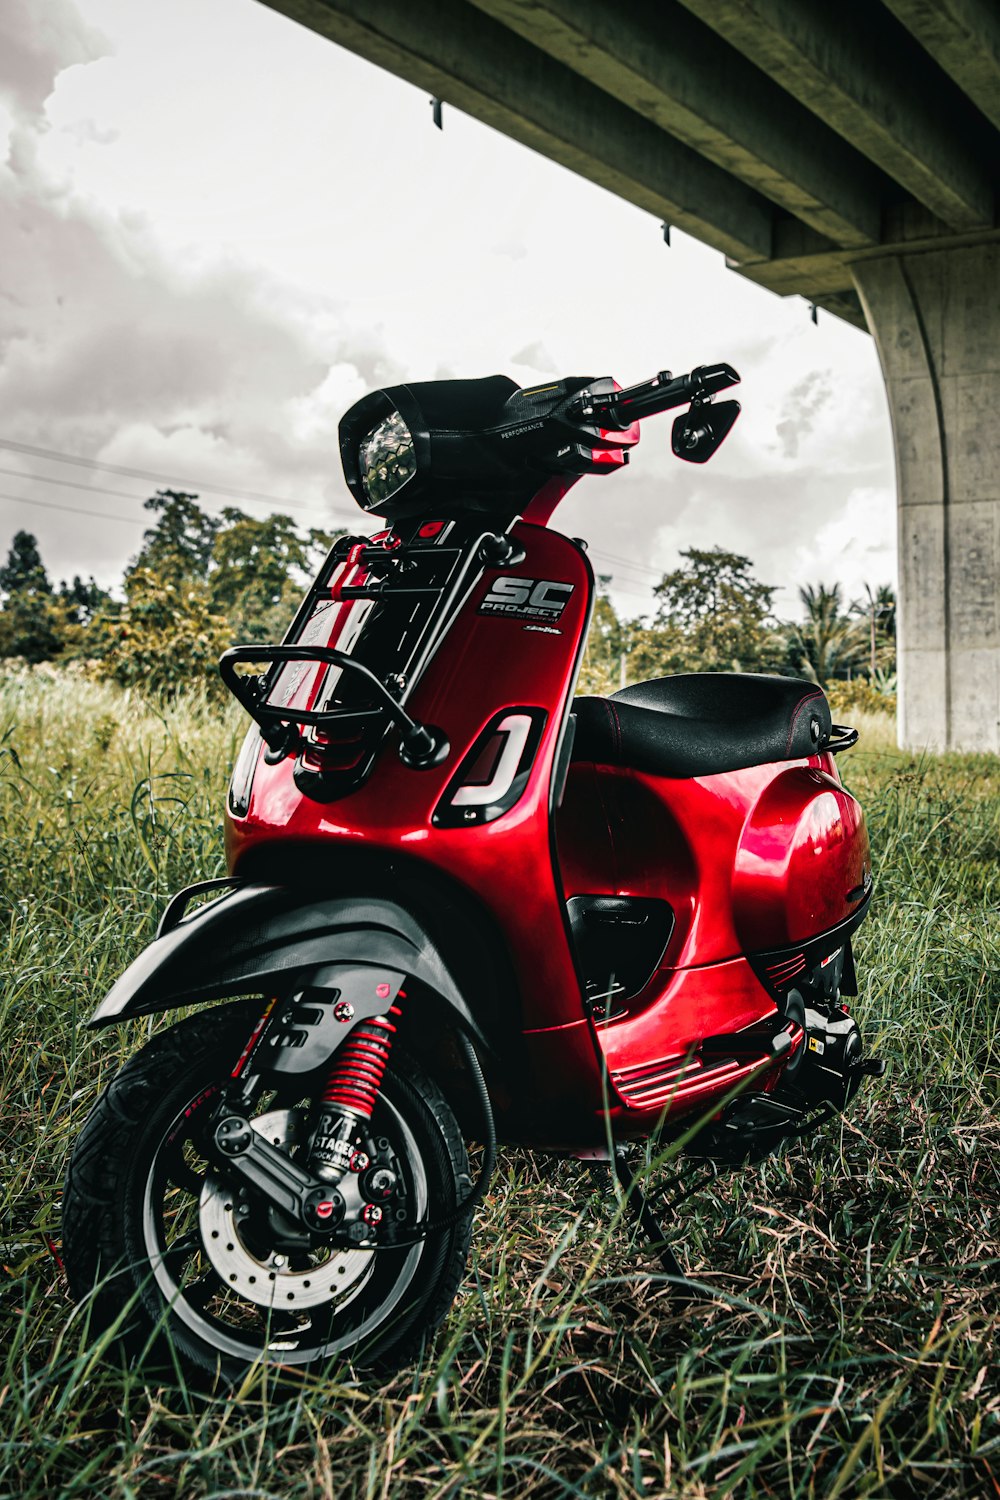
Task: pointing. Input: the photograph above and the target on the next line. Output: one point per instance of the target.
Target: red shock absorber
(349, 1095)
(360, 1064)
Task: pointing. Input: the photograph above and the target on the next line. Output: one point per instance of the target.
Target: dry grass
(846, 1343)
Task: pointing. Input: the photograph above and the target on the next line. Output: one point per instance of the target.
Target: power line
(633, 594)
(74, 484)
(103, 515)
(91, 489)
(69, 483)
(625, 562)
(90, 463)
(620, 570)
(74, 510)
(618, 577)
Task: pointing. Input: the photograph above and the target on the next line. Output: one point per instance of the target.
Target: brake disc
(283, 1278)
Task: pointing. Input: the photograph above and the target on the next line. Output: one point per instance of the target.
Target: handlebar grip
(712, 378)
(662, 393)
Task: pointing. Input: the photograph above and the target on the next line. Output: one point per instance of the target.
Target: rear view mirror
(700, 431)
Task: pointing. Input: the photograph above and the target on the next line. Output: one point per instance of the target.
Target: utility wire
(625, 562)
(247, 495)
(74, 510)
(104, 515)
(71, 484)
(623, 570)
(95, 489)
(163, 479)
(90, 463)
(633, 594)
(638, 571)
(619, 576)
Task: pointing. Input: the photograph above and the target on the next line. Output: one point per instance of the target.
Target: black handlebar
(662, 393)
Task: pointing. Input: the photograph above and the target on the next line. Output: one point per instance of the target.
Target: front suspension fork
(307, 1192)
(350, 1094)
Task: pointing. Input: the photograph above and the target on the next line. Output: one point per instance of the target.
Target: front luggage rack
(421, 745)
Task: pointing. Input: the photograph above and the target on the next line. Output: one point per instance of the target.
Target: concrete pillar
(935, 317)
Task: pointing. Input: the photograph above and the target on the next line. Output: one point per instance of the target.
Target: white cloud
(535, 357)
(220, 230)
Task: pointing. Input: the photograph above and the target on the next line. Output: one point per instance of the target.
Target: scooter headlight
(386, 459)
(425, 449)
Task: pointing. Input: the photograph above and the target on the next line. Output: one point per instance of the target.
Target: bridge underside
(849, 154)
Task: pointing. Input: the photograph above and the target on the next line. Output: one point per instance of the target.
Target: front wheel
(172, 1252)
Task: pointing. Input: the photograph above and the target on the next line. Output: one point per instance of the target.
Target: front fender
(262, 939)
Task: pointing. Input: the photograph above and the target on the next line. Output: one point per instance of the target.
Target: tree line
(201, 582)
(712, 614)
(198, 584)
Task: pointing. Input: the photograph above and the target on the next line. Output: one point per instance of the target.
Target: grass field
(847, 1339)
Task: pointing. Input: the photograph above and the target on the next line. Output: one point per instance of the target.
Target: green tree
(252, 572)
(877, 611)
(716, 613)
(654, 650)
(24, 572)
(82, 602)
(31, 624)
(620, 651)
(199, 584)
(179, 547)
(166, 636)
(827, 644)
(601, 670)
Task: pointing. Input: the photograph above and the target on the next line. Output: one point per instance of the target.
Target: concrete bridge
(847, 153)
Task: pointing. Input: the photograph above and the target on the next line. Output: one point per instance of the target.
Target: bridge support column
(935, 317)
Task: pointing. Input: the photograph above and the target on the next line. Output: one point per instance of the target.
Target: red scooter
(463, 903)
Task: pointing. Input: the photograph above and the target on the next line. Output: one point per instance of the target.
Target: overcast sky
(217, 231)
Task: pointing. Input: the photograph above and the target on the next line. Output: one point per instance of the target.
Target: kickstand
(638, 1206)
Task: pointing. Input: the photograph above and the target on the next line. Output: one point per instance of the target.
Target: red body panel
(803, 855)
(491, 662)
(747, 860)
(797, 843)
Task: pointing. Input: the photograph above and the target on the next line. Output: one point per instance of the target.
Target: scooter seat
(702, 723)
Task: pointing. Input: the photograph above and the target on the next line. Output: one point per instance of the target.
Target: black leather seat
(702, 723)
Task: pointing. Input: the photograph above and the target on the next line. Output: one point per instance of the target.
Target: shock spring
(351, 1089)
(360, 1064)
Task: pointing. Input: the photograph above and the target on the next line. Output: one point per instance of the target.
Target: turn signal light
(494, 774)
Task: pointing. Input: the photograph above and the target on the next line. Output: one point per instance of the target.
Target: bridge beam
(470, 60)
(936, 321)
(844, 63)
(656, 58)
(963, 37)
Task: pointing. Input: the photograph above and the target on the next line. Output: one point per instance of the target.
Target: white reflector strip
(516, 727)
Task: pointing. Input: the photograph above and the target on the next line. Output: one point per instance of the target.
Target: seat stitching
(618, 726)
(611, 717)
(810, 698)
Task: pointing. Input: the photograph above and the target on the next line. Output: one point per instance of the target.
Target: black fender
(277, 940)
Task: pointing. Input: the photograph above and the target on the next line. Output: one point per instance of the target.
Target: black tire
(139, 1196)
